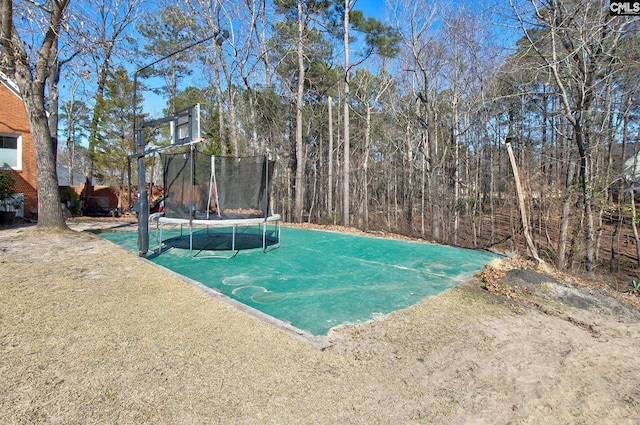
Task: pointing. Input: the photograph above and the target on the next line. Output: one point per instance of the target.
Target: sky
(373, 8)
(154, 104)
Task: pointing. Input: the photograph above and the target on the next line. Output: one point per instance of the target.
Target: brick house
(16, 147)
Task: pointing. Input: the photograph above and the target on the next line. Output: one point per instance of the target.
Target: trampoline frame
(189, 118)
(262, 222)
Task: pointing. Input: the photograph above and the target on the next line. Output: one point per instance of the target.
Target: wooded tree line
(401, 126)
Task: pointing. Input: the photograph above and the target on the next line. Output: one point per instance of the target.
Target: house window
(10, 151)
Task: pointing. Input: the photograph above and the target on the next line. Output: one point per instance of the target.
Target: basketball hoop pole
(142, 205)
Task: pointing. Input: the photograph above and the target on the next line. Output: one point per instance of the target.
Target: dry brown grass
(91, 334)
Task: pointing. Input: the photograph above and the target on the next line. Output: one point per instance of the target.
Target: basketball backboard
(185, 125)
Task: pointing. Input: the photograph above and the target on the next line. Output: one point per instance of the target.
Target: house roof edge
(10, 84)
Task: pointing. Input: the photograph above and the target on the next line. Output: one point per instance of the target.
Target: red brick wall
(13, 120)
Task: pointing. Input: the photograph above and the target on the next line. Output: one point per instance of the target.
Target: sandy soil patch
(91, 334)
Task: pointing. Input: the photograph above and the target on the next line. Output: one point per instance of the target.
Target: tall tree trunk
(233, 120)
(330, 160)
(346, 157)
(321, 178)
(565, 218)
(256, 143)
(49, 207)
(434, 182)
(222, 133)
(54, 98)
(71, 148)
(365, 174)
(492, 192)
(232, 130)
(456, 180)
(587, 195)
(299, 176)
(423, 184)
(264, 45)
(634, 221)
(103, 73)
(408, 185)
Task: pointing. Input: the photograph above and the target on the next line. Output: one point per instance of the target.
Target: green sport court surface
(318, 279)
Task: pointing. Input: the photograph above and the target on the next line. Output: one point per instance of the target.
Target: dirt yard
(91, 334)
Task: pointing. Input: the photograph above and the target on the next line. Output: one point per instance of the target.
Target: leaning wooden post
(523, 211)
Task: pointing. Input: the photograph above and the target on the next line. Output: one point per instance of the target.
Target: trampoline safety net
(201, 186)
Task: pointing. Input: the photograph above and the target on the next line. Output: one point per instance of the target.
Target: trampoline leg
(191, 241)
(160, 240)
(276, 245)
(233, 238)
(234, 251)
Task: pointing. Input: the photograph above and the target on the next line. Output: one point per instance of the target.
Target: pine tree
(115, 136)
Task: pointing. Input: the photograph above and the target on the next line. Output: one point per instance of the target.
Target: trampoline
(202, 190)
(215, 193)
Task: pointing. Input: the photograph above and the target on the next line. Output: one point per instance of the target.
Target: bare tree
(103, 36)
(369, 89)
(31, 69)
(578, 44)
(74, 115)
(423, 56)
